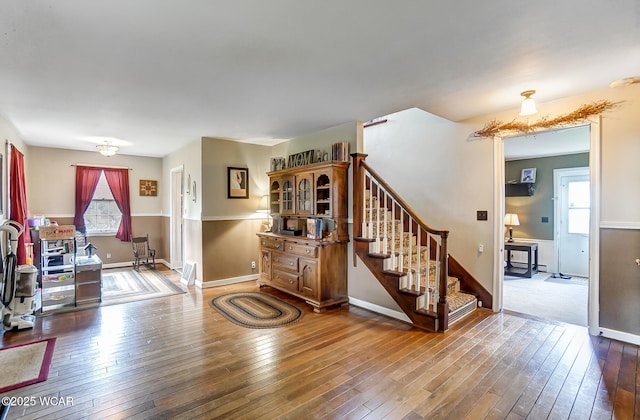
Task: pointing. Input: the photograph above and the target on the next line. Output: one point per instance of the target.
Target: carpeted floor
(547, 297)
(129, 285)
(25, 364)
(256, 309)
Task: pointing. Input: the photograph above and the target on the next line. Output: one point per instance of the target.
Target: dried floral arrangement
(495, 127)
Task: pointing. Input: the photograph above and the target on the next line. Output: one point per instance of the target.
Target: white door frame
(594, 230)
(176, 233)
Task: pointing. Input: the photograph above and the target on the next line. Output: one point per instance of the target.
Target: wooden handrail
(443, 233)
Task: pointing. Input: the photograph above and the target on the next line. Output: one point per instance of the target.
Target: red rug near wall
(25, 364)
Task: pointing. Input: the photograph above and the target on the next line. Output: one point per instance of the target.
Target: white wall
(190, 157)
(444, 175)
(9, 133)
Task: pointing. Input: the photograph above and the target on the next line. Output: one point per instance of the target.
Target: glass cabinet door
(287, 196)
(304, 188)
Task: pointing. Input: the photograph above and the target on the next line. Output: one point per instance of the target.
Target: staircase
(408, 257)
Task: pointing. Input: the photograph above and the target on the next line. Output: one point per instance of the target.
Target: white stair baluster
(418, 263)
(410, 253)
(384, 223)
(393, 235)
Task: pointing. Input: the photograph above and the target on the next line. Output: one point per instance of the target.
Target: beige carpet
(129, 285)
(25, 364)
(562, 300)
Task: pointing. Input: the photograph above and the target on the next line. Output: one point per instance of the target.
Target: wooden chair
(142, 254)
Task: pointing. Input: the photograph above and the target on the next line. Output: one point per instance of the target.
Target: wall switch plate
(482, 215)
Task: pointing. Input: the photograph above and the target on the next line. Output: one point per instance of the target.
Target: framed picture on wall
(237, 182)
(528, 176)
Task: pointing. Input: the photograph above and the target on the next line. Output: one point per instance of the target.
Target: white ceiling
(158, 74)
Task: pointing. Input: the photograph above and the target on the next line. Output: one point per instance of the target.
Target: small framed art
(528, 176)
(237, 182)
(148, 188)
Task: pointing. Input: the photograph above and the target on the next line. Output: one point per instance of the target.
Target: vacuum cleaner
(18, 293)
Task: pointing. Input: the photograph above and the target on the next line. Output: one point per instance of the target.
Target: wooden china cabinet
(305, 255)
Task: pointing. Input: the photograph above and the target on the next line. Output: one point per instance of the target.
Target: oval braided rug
(256, 309)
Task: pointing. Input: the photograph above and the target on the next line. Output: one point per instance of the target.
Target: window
(579, 207)
(102, 215)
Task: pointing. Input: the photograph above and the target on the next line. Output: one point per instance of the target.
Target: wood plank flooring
(176, 357)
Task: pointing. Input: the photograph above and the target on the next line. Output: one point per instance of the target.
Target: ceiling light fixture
(528, 106)
(627, 81)
(107, 149)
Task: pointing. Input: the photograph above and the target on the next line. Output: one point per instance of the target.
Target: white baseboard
(129, 264)
(618, 335)
(379, 309)
(224, 282)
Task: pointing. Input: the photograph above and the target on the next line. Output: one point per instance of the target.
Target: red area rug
(25, 364)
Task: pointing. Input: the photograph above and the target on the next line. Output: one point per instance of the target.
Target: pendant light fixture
(107, 149)
(528, 106)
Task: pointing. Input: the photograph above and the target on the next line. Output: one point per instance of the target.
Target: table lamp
(511, 220)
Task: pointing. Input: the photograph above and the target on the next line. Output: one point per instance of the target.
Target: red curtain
(86, 182)
(118, 180)
(18, 200)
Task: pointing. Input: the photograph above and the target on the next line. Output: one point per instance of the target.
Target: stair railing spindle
(419, 258)
(385, 223)
(394, 258)
(410, 249)
(436, 286)
(401, 253)
(370, 232)
(378, 219)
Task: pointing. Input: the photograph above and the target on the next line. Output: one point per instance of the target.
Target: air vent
(188, 274)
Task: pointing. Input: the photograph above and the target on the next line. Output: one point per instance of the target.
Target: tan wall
(217, 156)
(229, 247)
(51, 180)
(121, 251)
(620, 277)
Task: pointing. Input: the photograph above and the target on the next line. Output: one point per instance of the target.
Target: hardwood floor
(176, 357)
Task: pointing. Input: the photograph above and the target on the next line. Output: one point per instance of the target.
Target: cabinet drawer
(88, 292)
(301, 249)
(88, 276)
(284, 261)
(272, 243)
(283, 278)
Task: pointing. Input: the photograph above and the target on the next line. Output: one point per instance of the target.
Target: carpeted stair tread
(459, 299)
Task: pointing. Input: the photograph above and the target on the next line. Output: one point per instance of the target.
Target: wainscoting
(547, 259)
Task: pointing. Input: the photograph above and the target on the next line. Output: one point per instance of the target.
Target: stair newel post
(443, 304)
(358, 194)
(370, 218)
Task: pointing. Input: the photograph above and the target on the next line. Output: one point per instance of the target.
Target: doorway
(560, 290)
(573, 211)
(177, 210)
